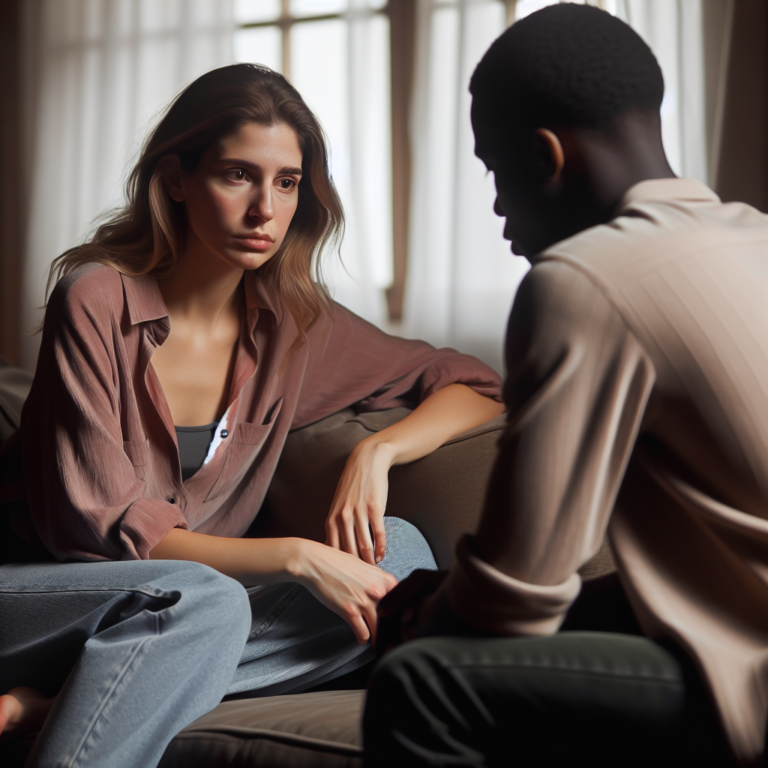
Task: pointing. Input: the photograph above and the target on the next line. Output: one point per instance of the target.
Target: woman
(179, 347)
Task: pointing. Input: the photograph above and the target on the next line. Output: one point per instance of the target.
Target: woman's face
(242, 196)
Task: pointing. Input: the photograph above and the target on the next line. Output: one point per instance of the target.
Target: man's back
(689, 277)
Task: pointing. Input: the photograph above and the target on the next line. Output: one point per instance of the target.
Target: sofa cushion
(321, 730)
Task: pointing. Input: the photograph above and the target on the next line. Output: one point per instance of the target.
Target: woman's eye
(236, 174)
(286, 184)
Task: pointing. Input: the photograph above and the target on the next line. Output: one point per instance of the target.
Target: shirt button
(224, 433)
(171, 500)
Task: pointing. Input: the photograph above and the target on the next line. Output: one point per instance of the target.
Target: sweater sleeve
(83, 484)
(354, 363)
(576, 392)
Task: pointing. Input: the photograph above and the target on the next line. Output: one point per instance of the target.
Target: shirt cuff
(499, 604)
(145, 524)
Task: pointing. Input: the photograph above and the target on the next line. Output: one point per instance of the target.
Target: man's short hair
(566, 65)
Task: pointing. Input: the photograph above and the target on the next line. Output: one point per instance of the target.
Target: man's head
(565, 111)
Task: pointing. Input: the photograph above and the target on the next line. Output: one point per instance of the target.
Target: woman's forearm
(249, 561)
(445, 414)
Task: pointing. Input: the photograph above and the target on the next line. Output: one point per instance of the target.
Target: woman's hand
(360, 501)
(345, 584)
(361, 496)
(341, 582)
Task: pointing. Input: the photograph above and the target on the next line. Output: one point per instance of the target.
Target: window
(337, 54)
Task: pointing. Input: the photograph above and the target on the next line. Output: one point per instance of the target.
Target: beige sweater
(637, 392)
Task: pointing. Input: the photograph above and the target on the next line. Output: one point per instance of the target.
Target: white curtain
(674, 31)
(462, 277)
(104, 70)
(341, 69)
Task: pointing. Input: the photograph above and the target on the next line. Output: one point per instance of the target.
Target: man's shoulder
(651, 235)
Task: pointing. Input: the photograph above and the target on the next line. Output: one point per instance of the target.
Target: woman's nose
(262, 206)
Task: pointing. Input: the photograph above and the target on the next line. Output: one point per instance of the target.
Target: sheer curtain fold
(104, 70)
(674, 31)
(99, 72)
(461, 275)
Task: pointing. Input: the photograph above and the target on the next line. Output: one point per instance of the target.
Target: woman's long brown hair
(146, 235)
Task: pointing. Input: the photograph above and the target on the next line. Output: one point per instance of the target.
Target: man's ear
(169, 169)
(552, 155)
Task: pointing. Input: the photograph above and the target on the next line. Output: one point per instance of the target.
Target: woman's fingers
(348, 586)
(364, 541)
(379, 537)
(332, 534)
(348, 537)
(360, 628)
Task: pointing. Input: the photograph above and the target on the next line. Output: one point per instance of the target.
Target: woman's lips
(256, 242)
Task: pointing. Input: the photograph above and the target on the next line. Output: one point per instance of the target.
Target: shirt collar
(261, 294)
(145, 302)
(657, 190)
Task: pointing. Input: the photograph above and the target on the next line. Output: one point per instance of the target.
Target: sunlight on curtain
(350, 95)
(674, 31)
(106, 70)
(341, 68)
(462, 276)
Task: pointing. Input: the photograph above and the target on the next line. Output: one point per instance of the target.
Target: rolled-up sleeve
(351, 362)
(576, 393)
(84, 488)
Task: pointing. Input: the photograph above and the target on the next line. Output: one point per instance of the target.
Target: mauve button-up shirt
(98, 448)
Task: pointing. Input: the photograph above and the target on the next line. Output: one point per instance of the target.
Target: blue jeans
(138, 650)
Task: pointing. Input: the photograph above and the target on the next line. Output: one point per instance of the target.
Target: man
(637, 401)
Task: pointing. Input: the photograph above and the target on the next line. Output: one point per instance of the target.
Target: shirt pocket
(247, 442)
(138, 453)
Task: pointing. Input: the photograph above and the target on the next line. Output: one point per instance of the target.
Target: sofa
(441, 494)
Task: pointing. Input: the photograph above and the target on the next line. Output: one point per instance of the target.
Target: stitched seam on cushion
(279, 736)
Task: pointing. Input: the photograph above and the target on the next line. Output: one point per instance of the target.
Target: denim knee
(211, 599)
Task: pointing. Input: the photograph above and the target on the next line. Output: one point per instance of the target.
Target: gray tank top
(193, 447)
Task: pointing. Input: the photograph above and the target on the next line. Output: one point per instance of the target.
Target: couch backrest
(441, 494)
(14, 388)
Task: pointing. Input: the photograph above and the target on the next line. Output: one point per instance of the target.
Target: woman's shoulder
(96, 289)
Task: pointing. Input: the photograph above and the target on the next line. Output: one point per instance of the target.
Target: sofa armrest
(441, 494)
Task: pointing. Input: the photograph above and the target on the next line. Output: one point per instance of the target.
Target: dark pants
(578, 698)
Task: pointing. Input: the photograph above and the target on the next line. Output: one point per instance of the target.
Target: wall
(741, 171)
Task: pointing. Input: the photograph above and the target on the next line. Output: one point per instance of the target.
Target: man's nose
(497, 207)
